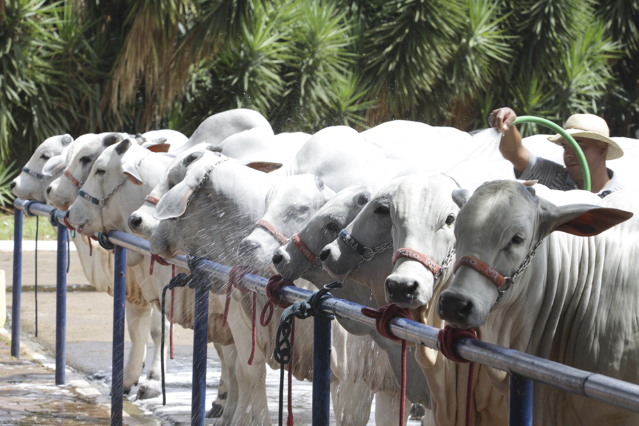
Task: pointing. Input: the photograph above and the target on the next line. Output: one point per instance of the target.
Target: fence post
(521, 401)
(61, 306)
(321, 371)
(17, 283)
(200, 339)
(119, 298)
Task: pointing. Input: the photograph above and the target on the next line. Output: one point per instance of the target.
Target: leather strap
(272, 230)
(302, 247)
(151, 199)
(351, 242)
(428, 263)
(479, 266)
(33, 173)
(72, 179)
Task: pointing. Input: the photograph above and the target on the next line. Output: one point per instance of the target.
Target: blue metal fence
(523, 368)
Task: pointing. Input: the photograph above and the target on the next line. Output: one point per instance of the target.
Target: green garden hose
(565, 135)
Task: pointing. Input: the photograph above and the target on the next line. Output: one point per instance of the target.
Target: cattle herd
(387, 211)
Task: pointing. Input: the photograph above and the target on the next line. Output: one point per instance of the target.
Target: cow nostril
(389, 288)
(12, 185)
(324, 254)
(49, 191)
(135, 222)
(465, 309)
(277, 258)
(454, 308)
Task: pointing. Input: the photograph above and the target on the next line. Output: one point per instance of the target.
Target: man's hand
(502, 118)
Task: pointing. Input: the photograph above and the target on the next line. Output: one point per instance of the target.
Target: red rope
(446, 339)
(67, 224)
(235, 275)
(383, 317)
(91, 244)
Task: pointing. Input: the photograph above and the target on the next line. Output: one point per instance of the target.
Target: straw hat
(592, 127)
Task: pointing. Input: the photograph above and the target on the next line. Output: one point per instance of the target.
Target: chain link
(520, 270)
(445, 264)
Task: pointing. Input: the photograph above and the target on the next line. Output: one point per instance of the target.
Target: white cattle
(260, 144)
(577, 301)
(222, 200)
(31, 182)
(142, 168)
(290, 204)
(215, 129)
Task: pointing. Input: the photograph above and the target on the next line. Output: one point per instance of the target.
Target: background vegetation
(80, 66)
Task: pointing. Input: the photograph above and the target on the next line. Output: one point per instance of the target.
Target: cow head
(63, 191)
(290, 204)
(499, 225)
(371, 228)
(289, 260)
(114, 172)
(141, 221)
(32, 182)
(423, 218)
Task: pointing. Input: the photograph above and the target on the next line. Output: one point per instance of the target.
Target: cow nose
(247, 248)
(454, 308)
(135, 221)
(13, 185)
(49, 191)
(400, 291)
(325, 253)
(277, 258)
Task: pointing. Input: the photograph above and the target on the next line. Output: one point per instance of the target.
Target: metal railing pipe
(61, 306)
(200, 340)
(17, 283)
(117, 370)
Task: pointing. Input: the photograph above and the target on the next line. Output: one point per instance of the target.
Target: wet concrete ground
(89, 336)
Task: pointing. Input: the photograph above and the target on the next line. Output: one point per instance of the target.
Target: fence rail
(523, 367)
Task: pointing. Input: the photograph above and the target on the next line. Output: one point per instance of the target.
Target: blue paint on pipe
(200, 339)
(61, 306)
(521, 401)
(119, 299)
(17, 283)
(321, 371)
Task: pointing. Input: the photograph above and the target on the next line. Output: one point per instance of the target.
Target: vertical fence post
(119, 295)
(521, 401)
(321, 371)
(200, 339)
(17, 283)
(61, 306)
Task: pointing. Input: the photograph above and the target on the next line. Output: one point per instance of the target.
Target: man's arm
(510, 146)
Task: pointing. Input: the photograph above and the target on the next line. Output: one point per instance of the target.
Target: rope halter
(501, 282)
(33, 173)
(437, 270)
(305, 250)
(271, 229)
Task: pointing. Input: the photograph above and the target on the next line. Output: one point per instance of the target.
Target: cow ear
(583, 220)
(161, 147)
(66, 140)
(123, 146)
(460, 196)
(173, 203)
(213, 148)
(194, 156)
(111, 139)
(263, 166)
(54, 165)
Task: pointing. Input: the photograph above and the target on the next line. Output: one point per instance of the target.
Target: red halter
(151, 199)
(428, 263)
(72, 179)
(479, 266)
(272, 230)
(302, 247)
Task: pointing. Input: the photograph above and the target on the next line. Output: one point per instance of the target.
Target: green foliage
(6, 175)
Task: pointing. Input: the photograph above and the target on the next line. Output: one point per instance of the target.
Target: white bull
(142, 168)
(575, 304)
(230, 198)
(31, 183)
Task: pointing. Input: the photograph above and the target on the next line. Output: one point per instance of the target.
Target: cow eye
(85, 160)
(171, 184)
(450, 219)
(45, 157)
(332, 228)
(517, 239)
(99, 172)
(382, 210)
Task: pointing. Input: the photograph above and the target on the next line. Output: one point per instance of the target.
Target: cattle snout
(403, 291)
(247, 249)
(455, 309)
(325, 253)
(13, 185)
(49, 190)
(277, 258)
(135, 222)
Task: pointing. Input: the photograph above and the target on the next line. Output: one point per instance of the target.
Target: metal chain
(520, 270)
(375, 250)
(445, 264)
